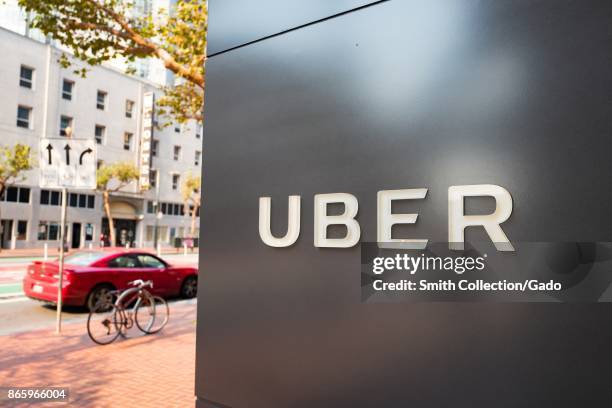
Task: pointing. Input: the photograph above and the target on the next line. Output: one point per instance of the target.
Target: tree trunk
(111, 223)
(2, 188)
(193, 220)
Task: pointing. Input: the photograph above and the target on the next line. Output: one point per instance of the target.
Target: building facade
(42, 99)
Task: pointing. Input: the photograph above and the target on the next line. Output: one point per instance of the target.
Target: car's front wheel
(190, 287)
(100, 293)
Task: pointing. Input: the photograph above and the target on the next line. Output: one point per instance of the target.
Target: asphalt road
(19, 314)
(22, 314)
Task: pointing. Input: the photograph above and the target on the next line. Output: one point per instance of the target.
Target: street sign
(148, 117)
(68, 163)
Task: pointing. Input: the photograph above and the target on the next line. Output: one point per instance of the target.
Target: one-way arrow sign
(49, 148)
(67, 149)
(60, 169)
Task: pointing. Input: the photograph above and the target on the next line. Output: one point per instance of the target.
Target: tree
(14, 162)
(97, 31)
(112, 178)
(190, 190)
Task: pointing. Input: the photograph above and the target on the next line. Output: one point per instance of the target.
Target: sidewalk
(142, 371)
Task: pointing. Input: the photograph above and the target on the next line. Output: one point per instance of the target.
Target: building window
(177, 129)
(56, 198)
(99, 164)
(48, 197)
(44, 197)
(24, 115)
(24, 195)
(101, 100)
(177, 152)
(81, 200)
(150, 207)
(163, 234)
(198, 131)
(17, 195)
(89, 232)
(150, 234)
(198, 157)
(67, 87)
(129, 108)
(154, 147)
(175, 181)
(22, 230)
(11, 194)
(127, 141)
(153, 178)
(26, 77)
(42, 231)
(65, 122)
(99, 134)
(48, 231)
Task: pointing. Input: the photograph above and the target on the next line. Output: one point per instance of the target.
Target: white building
(14, 18)
(40, 99)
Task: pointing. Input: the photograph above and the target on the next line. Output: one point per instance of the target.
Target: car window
(124, 261)
(149, 261)
(84, 258)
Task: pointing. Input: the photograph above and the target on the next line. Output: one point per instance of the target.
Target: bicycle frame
(127, 297)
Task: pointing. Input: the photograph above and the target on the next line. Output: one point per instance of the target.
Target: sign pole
(58, 324)
(66, 163)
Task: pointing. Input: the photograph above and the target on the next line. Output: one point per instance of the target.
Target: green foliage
(182, 102)
(14, 161)
(97, 31)
(190, 189)
(123, 173)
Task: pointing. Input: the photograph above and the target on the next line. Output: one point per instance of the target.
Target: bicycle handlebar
(141, 284)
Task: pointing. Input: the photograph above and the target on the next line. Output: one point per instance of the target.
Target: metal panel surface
(236, 22)
(404, 94)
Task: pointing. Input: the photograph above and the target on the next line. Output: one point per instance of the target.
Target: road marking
(10, 288)
(13, 300)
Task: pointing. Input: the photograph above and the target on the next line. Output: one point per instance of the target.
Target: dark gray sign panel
(404, 94)
(237, 22)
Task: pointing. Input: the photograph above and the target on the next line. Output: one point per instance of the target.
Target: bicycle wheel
(104, 323)
(152, 314)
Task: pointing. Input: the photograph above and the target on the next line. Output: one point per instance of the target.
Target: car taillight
(67, 275)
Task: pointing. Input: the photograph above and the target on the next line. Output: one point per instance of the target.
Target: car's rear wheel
(99, 294)
(190, 287)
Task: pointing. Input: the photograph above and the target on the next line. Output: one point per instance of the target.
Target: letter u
(293, 222)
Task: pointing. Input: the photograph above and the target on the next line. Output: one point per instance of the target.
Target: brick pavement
(141, 371)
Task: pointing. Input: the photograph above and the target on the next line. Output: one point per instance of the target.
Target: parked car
(91, 275)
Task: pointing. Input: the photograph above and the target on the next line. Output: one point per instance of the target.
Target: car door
(163, 277)
(124, 269)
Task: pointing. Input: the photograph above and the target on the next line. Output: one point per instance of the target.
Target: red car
(90, 275)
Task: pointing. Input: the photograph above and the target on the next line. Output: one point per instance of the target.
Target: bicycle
(109, 319)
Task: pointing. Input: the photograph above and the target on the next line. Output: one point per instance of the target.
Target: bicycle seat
(141, 284)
